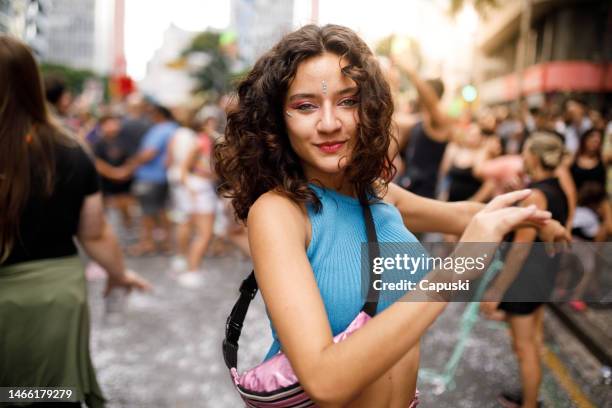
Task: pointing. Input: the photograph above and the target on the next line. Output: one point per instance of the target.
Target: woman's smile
(331, 147)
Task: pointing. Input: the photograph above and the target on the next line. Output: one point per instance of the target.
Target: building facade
(563, 48)
(259, 24)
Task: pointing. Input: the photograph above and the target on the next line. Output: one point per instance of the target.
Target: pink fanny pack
(273, 383)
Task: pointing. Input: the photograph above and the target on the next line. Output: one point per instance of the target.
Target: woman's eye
(349, 102)
(305, 107)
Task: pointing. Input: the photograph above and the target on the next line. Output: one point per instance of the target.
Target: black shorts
(151, 196)
(519, 308)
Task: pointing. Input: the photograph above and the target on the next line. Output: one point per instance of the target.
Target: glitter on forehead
(324, 87)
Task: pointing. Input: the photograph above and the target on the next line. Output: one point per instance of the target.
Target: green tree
(75, 78)
(214, 77)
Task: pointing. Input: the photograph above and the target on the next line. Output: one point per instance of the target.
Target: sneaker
(191, 280)
(178, 264)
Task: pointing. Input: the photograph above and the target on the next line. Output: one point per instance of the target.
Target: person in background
(135, 123)
(198, 178)
(49, 195)
(424, 137)
(528, 276)
(110, 154)
(150, 184)
(588, 165)
(60, 99)
(576, 124)
(179, 148)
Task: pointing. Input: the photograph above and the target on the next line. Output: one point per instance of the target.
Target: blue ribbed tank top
(334, 252)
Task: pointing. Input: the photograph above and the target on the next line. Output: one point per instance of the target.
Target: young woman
(305, 146)
(528, 276)
(49, 195)
(461, 158)
(588, 164)
(198, 178)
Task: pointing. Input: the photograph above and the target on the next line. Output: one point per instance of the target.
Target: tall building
(259, 25)
(544, 50)
(70, 33)
(84, 34)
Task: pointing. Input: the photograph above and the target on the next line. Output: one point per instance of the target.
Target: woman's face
(321, 117)
(593, 143)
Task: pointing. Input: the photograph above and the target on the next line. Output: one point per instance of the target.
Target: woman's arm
(333, 374)
(569, 188)
(100, 243)
(426, 215)
(422, 214)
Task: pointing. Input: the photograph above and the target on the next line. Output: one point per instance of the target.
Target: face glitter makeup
(324, 87)
(289, 114)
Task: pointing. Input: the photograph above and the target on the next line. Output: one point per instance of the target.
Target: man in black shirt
(110, 153)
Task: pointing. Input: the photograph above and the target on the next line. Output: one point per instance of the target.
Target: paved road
(164, 349)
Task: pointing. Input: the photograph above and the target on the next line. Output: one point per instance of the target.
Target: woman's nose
(329, 121)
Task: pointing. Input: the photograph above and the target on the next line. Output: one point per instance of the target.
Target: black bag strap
(248, 290)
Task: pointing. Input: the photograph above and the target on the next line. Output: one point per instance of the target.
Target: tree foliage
(74, 78)
(215, 76)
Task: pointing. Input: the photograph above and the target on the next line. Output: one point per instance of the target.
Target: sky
(146, 21)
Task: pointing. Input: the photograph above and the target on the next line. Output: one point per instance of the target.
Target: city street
(164, 349)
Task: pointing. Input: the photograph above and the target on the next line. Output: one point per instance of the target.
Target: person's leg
(146, 243)
(523, 329)
(123, 203)
(203, 233)
(166, 228)
(183, 234)
(143, 191)
(539, 328)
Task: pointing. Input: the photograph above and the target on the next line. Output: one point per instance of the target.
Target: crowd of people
(315, 135)
(155, 167)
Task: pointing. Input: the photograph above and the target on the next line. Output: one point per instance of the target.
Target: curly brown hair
(256, 156)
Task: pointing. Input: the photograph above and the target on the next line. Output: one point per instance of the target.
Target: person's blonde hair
(549, 149)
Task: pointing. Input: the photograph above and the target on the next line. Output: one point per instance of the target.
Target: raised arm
(438, 122)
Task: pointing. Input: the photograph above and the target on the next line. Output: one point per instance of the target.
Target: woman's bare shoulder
(274, 211)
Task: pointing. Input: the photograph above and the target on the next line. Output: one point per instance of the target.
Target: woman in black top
(461, 159)
(588, 164)
(48, 196)
(528, 276)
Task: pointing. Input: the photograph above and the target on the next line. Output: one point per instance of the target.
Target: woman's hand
(129, 280)
(489, 304)
(556, 236)
(499, 217)
(490, 311)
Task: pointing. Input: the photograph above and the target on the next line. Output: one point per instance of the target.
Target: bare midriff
(395, 389)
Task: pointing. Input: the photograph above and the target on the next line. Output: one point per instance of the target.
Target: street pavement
(163, 349)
